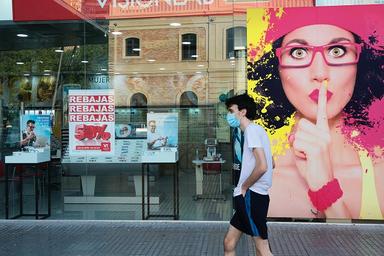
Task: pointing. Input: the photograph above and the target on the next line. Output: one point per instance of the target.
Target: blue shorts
(251, 214)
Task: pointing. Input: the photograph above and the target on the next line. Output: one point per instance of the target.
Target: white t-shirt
(151, 136)
(255, 137)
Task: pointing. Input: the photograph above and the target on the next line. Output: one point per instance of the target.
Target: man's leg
(262, 246)
(230, 241)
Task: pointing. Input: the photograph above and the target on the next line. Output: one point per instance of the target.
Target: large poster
(316, 75)
(91, 115)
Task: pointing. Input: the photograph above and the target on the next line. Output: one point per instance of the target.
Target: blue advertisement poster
(35, 131)
(162, 132)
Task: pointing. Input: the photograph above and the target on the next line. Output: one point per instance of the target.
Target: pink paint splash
(253, 52)
(369, 138)
(369, 26)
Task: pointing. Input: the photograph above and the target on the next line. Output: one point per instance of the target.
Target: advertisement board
(162, 138)
(91, 115)
(162, 131)
(315, 75)
(35, 131)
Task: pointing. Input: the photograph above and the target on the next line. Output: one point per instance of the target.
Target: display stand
(146, 196)
(89, 183)
(199, 180)
(9, 164)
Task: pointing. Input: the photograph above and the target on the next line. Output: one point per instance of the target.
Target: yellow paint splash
(258, 23)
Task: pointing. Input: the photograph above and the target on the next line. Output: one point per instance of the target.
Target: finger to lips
(322, 121)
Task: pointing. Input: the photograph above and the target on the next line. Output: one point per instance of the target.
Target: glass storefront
(181, 58)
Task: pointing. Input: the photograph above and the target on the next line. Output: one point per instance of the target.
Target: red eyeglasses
(300, 56)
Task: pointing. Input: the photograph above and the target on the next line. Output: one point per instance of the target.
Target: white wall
(6, 10)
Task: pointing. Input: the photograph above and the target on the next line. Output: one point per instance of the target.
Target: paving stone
(174, 238)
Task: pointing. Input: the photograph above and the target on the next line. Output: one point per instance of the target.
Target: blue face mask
(232, 120)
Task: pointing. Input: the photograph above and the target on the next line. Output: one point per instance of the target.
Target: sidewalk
(67, 237)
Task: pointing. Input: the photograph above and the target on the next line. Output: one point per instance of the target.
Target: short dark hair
(243, 101)
(30, 121)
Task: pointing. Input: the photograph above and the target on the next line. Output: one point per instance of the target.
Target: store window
(188, 99)
(236, 42)
(189, 45)
(132, 47)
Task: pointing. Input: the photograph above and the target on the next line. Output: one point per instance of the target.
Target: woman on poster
(323, 84)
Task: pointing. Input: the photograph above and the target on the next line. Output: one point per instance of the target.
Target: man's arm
(150, 144)
(260, 168)
(26, 138)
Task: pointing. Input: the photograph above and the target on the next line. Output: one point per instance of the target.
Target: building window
(132, 47)
(188, 46)
(236, 42)
(138, 100)
(188, 99)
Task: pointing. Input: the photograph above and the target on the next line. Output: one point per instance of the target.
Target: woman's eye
(298, 53)
(337, 51)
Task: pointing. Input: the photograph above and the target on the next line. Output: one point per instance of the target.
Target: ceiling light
(103, 69)
(136, 49)
(22, 35)
(117, 33)
(84, 61)
(175, 24)
(239, 48)
(19, 63)
(59, 50)
(151, 60)
(186, 43)
(194, 56)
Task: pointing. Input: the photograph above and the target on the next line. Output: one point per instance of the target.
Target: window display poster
(162, 131)
(316, 77)
(91, 116)
(35, 131)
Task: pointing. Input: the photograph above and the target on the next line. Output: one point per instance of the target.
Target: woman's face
(301, 84)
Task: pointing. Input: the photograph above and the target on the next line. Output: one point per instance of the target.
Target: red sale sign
(91, 115)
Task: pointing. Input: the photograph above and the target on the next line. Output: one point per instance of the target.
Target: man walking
(251, 193)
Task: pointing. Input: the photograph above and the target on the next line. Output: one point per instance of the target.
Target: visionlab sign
(120, 9)
(35, 10)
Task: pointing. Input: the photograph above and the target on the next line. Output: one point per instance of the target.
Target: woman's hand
(311, 146)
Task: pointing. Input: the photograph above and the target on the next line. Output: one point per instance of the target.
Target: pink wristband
(326, 196)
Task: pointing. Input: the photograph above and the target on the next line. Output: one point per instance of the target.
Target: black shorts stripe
(251, 214)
